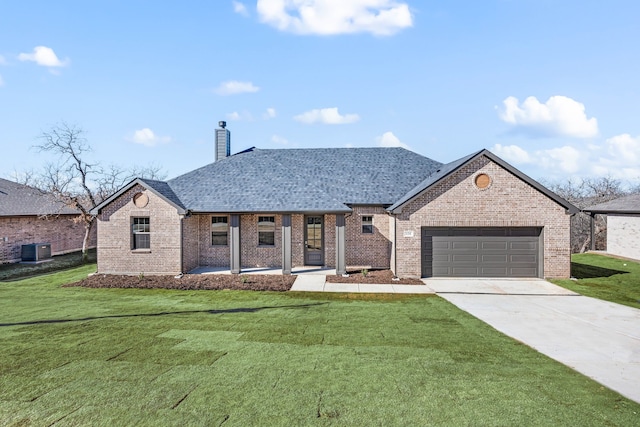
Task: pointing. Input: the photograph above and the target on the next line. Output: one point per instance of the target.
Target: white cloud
(617, 157)
(624, 147)
(44, 56)
(327, 17)
(329, 116)
(234, 87)
(388, 139)
(512, 153)
(559, 116)
(566, 159)
(148, 138)
(2, 60)
(269, 114)
(240, 8)
(279, 140)
(237, 116)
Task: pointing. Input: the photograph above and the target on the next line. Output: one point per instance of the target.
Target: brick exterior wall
(623, 235)
(253, 255)
(507, 202)
(190, 245)
(115, 254)
(214, 256)
(63, 232)
(368, 250)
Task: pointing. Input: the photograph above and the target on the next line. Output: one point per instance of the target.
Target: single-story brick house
(338, 207)
(623, 225)
(29, 216)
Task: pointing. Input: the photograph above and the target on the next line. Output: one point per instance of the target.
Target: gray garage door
(481, 252)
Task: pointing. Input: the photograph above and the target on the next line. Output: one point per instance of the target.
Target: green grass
(76, 356)
(604, 277)
(15, 271)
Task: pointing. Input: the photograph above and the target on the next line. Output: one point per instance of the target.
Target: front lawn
(604, 277)
(18, 270)
(79, 356)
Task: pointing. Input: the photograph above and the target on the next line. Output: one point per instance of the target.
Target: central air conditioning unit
(36, 252)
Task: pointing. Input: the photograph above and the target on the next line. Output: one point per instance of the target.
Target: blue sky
(550, 86)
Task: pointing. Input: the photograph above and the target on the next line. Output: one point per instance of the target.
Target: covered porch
(269, 243)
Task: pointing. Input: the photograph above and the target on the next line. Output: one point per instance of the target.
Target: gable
(444, 172)
(458, 199)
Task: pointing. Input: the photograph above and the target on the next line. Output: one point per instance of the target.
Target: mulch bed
(383, 277)
(248, 282)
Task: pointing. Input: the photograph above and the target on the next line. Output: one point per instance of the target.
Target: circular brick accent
(482, 181)
(140, 200)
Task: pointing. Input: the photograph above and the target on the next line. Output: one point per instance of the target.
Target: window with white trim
(266, 231)
(367, 224)
(141, 233)
(219, 231)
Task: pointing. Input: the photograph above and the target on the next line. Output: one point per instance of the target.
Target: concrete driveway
(596, 338)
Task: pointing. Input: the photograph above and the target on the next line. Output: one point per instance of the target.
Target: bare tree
(76, 183)
(585, 193)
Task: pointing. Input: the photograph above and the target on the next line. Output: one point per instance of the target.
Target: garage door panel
(464, 258)
(464, 245)
(499, 258)
(439, 244)
(441, 271)
(494, 272)
(523, 245)
(496, 246)
(441, 258)
(481, 252)
(464, 271)
(523, 272)
(528, 259)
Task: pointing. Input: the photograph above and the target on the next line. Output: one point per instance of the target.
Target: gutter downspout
(395, 245)
(182, 244)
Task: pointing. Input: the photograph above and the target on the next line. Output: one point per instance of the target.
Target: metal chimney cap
(222, 124)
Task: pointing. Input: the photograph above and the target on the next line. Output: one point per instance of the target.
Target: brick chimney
(223, 141)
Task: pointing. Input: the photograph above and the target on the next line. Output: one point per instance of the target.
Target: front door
(314, 240)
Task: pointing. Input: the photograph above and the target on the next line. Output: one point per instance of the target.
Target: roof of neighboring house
(626, 204)
(446, 170)
(302, 180)
(22, 200)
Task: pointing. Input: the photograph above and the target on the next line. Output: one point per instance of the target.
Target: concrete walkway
(597, 338)
(318, 283)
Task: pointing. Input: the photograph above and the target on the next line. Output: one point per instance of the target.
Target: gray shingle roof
(163, 189)
(626, 204)
(22, 200)
(302, 180)
(436, 176)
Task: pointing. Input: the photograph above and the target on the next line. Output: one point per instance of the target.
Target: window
(141, 236)
(266, 231)
(219, 231)
(367, 224)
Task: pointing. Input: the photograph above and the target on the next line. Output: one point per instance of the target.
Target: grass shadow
(586, 271)
(162, 313)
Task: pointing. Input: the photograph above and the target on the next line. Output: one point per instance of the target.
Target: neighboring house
(29, 216)
(623, 225)
(339, 208)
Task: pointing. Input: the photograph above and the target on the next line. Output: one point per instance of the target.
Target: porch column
(286, 244)
(341, 241)
(234, 243)
(592, 230)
